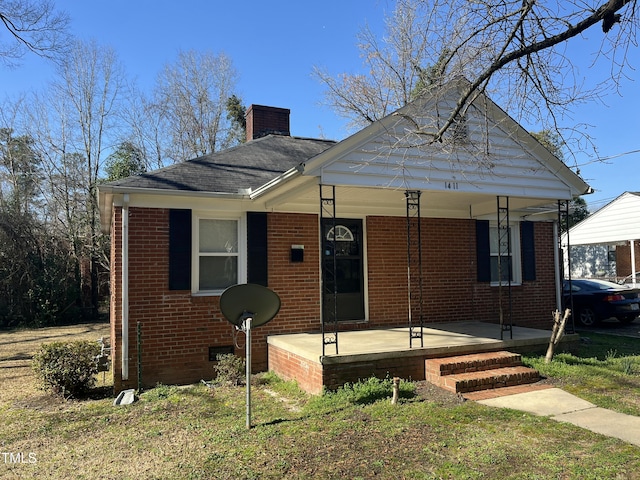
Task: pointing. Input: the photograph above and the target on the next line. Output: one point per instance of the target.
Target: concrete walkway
(565, 407)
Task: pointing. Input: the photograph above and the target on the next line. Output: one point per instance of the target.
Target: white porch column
(633, 262)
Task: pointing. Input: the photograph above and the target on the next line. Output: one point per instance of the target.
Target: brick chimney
(262, 120)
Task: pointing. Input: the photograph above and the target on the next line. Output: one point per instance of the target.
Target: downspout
(125, 287)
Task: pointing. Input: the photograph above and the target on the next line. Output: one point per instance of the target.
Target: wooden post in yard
(556, 333)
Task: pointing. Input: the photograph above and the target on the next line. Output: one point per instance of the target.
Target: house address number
(451, 185)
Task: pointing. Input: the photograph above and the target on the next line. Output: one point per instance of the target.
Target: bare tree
(48, 121)
(92, 81)
(146, 128)
(35, 26)
(516, 50)
(392, 67)
(191, 96)
(74, 124)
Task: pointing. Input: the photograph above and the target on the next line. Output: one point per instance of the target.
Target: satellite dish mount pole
(241, 304)
(247, 318)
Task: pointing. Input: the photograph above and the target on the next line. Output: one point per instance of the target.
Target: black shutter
(179, 249)
(528, 251)
(257, 270)
(483, 251)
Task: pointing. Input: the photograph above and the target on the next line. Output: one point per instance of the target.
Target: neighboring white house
(606, 242)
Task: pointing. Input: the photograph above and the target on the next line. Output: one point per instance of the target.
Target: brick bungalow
(278, 209)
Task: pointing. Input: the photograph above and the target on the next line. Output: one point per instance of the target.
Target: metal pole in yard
(139, 331)
(247, 327)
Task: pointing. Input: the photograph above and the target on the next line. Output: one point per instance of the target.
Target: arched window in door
(341, 234)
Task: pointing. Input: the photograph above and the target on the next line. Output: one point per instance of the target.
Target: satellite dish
(246, 306)
(249, 300)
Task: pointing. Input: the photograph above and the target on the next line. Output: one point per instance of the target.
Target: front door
(346, 238)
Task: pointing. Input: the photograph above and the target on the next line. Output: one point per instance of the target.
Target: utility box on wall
(297, 253)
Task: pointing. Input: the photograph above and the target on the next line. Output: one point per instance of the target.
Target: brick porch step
(480, 371)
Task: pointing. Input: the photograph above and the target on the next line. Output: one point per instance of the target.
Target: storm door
(346, 238)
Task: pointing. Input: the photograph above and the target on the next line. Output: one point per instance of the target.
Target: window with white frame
(510, 262)
(219, 249)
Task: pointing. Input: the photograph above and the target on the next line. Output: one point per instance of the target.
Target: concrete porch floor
(379, 351)
(440, 339)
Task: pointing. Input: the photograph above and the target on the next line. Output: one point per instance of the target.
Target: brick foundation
(289, 366)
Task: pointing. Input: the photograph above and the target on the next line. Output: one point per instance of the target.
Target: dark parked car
(595, 300)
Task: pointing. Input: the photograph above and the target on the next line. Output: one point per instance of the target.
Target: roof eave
(107, 193)
(278, 181)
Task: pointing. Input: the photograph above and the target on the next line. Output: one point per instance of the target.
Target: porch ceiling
(303, 195)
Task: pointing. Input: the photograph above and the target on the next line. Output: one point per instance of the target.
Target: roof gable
(615, 222)
(493, 154)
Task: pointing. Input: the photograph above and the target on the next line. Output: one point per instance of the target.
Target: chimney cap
(256, 106)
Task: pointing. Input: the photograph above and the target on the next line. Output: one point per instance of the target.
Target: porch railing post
(563, 224)
(414, 267)
(329, 300)
(504, 265)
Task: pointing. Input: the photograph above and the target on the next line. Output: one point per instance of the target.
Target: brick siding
(450, 290)
(623, 259)
(177, 328)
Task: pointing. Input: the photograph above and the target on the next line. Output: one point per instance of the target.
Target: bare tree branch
(605, 14)
(33, 26)
(515, 50)
(191, 96)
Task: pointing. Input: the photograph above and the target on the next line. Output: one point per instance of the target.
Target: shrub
(230, 369)
(67, 368)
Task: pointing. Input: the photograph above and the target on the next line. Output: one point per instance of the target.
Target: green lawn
(198, 432)
(606, 371)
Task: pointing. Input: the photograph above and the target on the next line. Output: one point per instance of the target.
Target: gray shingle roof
(249, 165)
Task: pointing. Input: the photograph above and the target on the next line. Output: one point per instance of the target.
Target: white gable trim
(385, 155)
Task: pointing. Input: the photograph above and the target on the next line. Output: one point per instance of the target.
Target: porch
(383, 352)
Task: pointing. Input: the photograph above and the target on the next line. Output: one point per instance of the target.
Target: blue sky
(275, 45)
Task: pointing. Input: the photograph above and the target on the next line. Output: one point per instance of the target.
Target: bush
(230, 370)
(67, 368)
